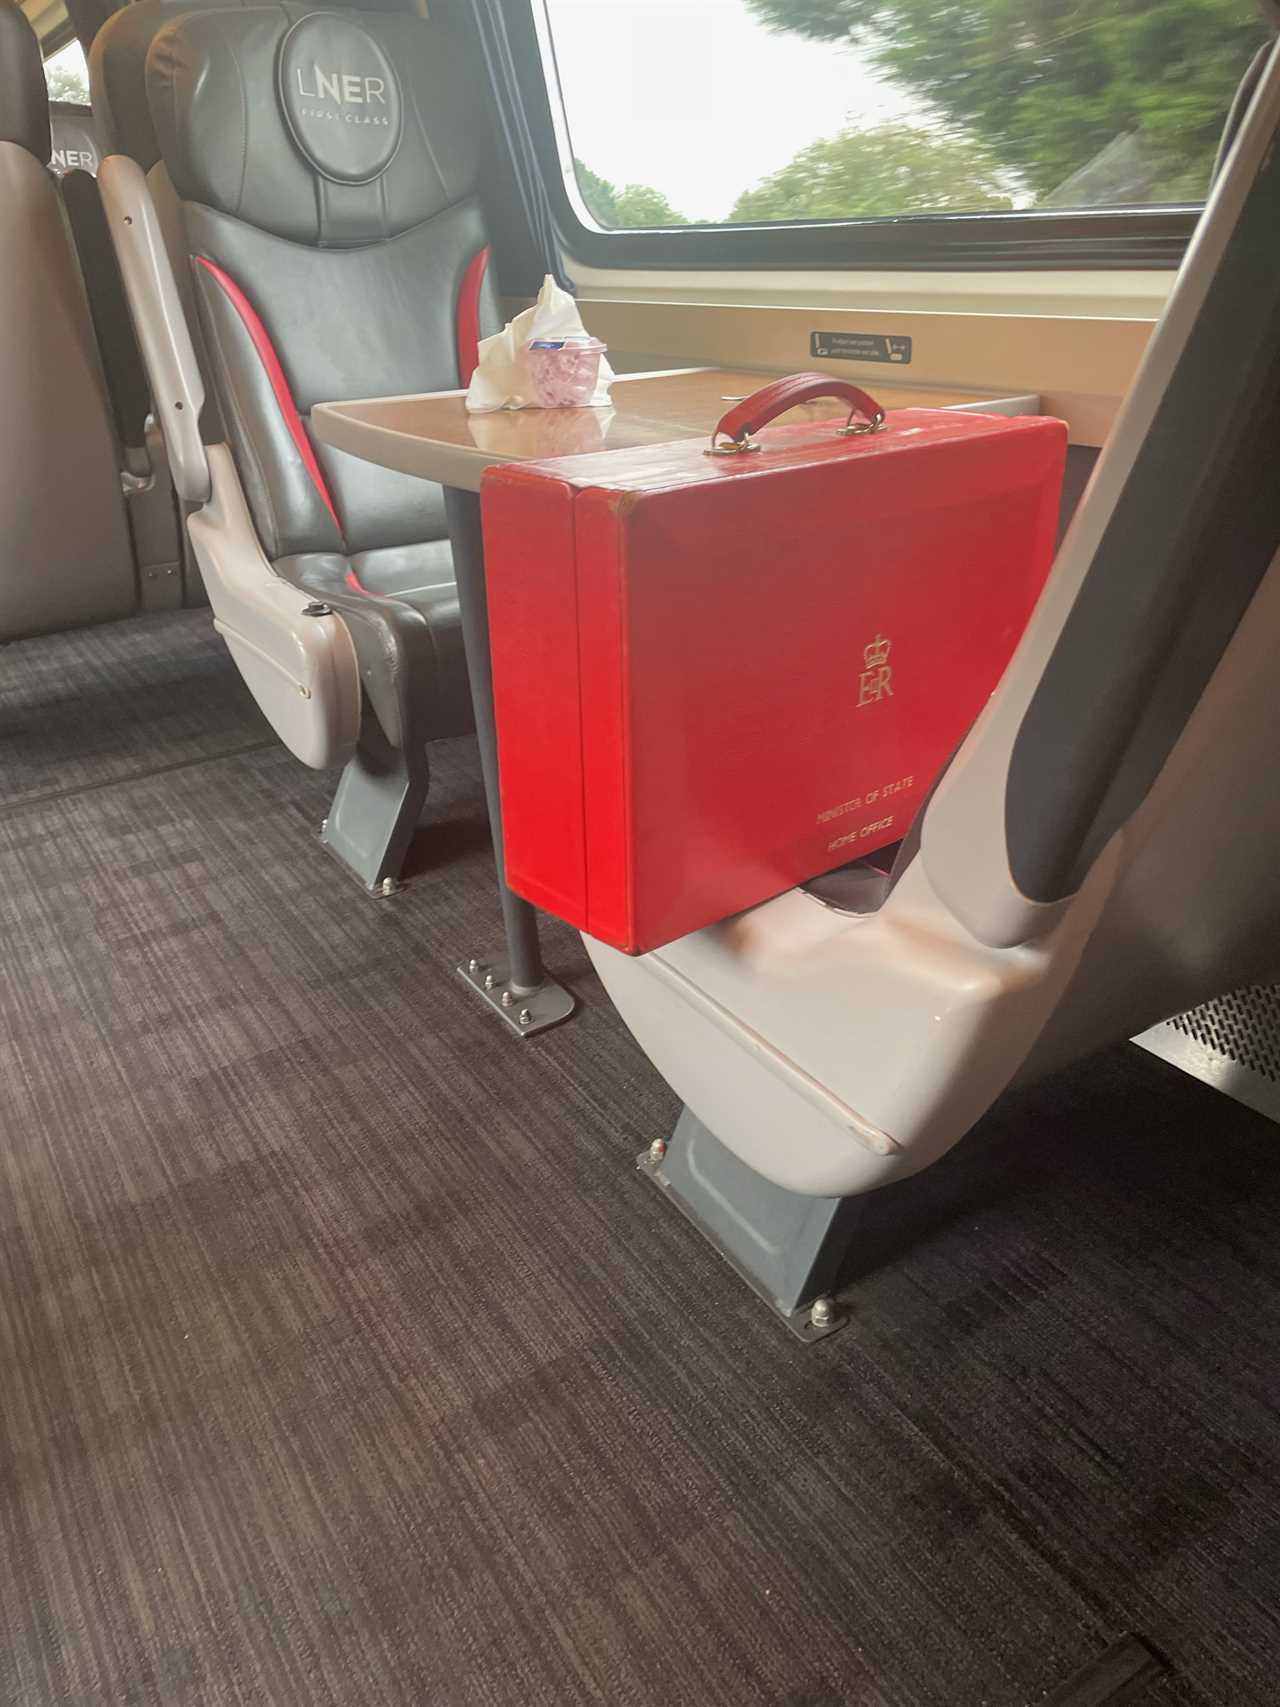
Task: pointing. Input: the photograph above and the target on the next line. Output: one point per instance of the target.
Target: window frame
(1032, 240)
(62, 35)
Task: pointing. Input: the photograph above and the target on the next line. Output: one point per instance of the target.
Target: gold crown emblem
(877, 652)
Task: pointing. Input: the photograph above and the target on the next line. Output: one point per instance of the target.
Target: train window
(67, 75)
(725, 113)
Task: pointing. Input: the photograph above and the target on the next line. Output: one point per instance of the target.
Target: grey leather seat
(67, 556)
(344, 247)
(325, 213)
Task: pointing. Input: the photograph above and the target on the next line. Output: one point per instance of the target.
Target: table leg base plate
(526, 1015)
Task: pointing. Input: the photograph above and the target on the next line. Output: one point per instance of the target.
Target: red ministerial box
(717, 676)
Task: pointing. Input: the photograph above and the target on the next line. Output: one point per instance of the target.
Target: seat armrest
(297, 656)
(393, 645)
(159, 322)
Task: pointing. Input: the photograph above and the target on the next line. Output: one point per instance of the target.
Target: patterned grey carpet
(345, 1359)
(94, 707)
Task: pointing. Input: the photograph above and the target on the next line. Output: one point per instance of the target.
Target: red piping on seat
(358, 586)
(279, 384)
(468, 318)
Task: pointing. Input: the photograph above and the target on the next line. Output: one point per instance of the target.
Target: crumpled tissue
(503, 379)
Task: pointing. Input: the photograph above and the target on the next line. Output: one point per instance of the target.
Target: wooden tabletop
(432, 435)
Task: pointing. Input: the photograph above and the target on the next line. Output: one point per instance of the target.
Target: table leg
(516, 986)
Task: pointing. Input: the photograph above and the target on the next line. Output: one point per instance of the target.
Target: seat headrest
(313, 125)
(118, 82)
(24, 95)
(118, 74)
(118, 69)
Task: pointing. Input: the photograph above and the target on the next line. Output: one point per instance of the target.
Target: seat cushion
(413, 572)
(422, 576)
(402, 605)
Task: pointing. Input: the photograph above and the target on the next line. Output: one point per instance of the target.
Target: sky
(697, 99)
(657, 92)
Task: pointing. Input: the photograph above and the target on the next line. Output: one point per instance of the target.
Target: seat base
(401, 608)
(787, 1247)
(379, 802)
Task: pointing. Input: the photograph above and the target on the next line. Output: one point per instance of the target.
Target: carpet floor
(99, 705)
(345, 1358)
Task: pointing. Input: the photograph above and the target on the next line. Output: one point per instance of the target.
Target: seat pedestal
(787, 1247)
(380, 797)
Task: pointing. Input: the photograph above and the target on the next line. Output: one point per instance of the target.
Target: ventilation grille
(1245, 1027)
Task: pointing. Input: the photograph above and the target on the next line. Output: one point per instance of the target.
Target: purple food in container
(565, 371)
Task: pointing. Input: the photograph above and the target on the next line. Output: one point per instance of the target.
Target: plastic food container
(565, 371)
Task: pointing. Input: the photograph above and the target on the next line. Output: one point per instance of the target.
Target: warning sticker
(861, 346)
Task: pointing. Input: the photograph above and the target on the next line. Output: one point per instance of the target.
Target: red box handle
(780, 395)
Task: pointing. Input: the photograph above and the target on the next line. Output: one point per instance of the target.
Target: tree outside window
(1002, 104)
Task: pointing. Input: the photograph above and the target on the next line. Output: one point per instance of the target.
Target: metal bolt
(388, 886)
(507, 998)
(823, 1312)
(657, 1150)
(324, 825)
(526, 1018)
(473, 965)
(488, 980)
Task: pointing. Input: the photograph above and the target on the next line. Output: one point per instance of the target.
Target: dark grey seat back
(327, 168)
(121, 360)
(24, 96)
(67, 558)
(74, 160)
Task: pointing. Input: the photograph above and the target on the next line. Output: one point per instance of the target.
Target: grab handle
(780, 395)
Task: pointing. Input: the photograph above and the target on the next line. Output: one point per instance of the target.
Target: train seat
(326, 233)
(1097, 857)
(68, 558)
